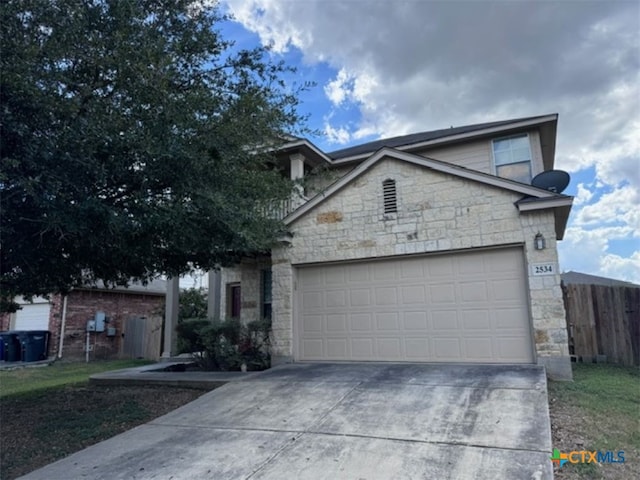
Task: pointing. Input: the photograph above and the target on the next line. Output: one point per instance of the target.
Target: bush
(226, 344)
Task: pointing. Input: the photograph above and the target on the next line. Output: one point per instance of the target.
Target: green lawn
(599, 410)
(47, 413)
(22, 380)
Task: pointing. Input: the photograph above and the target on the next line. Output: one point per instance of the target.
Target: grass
(599, 410)
(24, 380)
(57, 412)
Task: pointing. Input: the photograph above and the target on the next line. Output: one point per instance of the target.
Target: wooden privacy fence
(142, 337)
(603, 320)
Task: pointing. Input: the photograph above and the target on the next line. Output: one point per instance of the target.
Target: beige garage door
(465, 307)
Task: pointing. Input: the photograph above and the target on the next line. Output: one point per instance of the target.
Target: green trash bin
(10, 346)
(35, 345)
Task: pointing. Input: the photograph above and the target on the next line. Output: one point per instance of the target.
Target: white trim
(543, 203)
(423, 162)
(460, 136)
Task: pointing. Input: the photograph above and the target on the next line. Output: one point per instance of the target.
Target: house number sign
(538, 269)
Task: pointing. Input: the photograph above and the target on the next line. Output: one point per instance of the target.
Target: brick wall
(82, 305)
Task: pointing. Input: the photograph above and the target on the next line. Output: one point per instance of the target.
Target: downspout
(62, 324)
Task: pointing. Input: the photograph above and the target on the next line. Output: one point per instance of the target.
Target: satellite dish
(553, 180)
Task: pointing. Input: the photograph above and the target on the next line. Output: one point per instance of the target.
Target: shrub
(226, 344)
(188, 334)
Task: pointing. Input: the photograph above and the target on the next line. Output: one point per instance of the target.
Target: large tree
(135, 141)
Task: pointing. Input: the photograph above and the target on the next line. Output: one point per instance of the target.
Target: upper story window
(512, 158)
(389, 196)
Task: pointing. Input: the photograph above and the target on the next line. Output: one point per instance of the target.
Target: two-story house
(430, 247)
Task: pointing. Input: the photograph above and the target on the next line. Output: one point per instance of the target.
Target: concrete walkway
(331, 421)
(155, 374)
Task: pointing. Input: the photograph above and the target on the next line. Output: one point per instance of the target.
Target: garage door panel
(507, 290)
(413, 294)
(447, 349)
(387, 321)
(473, 292)
(509, 319)
(440, 267)
(386, 296)
(359, 273)
(362, 348)
(361, 322)
(389, 349)
(512, 347)
(313, 348)
(478, 349)
(473, 265)
(411, 269)
(336, 298)
(383, 272)
(360, 297)
(445, 320)
(337, 348)
(415, 321)
(312, 300)
(443, 293)
(336, 323)
(475, 320)
(313, 323)
(468, 307)
(416, 348)
(335, 276)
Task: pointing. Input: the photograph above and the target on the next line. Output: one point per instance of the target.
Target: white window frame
(493, 154)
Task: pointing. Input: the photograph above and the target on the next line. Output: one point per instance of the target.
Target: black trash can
(35, 345)
(11, 348)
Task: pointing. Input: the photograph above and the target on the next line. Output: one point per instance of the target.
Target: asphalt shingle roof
(420, 137)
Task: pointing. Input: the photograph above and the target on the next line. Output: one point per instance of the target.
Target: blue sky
(386, 68)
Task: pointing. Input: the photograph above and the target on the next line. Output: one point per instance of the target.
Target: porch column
(297, 166)
(172, 301)
(213, 294)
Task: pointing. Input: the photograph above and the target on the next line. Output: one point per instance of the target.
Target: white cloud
(619, 206)
(408, 66)
(336, 135)
(583, 196)
(339, 89)
(624, 268)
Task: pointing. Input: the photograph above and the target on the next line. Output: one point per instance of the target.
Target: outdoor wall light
(539, 241)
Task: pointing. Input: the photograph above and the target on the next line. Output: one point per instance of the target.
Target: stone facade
(437, 212)
(249, 275)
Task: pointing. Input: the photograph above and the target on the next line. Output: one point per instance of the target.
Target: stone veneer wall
(436, 213)
(249, 274)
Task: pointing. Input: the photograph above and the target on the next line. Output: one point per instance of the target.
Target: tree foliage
(134, 142)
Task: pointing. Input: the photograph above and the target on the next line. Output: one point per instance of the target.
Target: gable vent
(389, 195)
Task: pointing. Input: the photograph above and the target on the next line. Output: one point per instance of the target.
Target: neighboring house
(577, 278)
(421, 250)
(119, 304)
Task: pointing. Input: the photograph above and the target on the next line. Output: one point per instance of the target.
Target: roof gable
(429, 163)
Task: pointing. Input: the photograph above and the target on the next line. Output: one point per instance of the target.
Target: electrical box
(111, 331)
(91, 325)
(100, 321)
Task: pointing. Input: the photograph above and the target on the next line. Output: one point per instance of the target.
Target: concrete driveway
(334, 421)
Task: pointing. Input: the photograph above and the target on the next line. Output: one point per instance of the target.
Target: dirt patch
(574, 429)
(43, 427)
